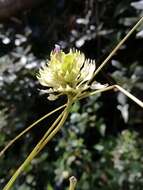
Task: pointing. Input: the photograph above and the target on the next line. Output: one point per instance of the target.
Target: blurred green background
(102, 141)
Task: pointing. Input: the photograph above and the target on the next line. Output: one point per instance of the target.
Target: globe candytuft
(66, 73)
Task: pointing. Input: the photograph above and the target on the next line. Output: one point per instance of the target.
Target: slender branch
(42, 141)
(28, 160)
(54, 132)
(97, 92)
(117, 47)
(136, 100)
(39, 146)
(129, 95)
(28, 128)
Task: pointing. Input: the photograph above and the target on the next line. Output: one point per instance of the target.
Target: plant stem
(40, 146)
(129, 95)
(59, 126)
(28, 128)
(97, 91)
(73, 182)
(27, 161)
(136, 100)
(117, 47)
(48, 132)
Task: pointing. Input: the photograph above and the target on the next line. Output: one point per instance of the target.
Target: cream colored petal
(52, 97)
(97, 86)
(88, 70)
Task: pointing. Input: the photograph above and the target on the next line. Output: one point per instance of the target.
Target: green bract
(66, 73)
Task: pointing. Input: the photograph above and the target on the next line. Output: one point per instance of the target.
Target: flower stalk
(29, 128)
(46, 138)
(117, 47)
(114, 87)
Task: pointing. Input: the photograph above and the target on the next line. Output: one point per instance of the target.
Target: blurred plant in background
(95, 145)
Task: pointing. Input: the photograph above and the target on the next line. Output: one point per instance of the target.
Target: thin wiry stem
(136, 100)
(28, 128)
(129, 95)
(96, 92)
(28, 159)
(40, 145)
(42, 141)
(54, 132)
(117, 47)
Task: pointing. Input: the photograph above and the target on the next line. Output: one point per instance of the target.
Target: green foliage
(120, 163)
(114, 162)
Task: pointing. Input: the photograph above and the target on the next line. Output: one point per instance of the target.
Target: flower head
(66, 73)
